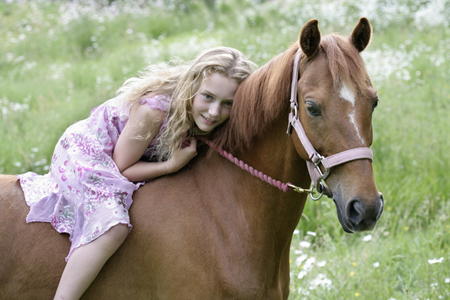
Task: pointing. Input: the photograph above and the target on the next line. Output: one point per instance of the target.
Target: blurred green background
(60, 59)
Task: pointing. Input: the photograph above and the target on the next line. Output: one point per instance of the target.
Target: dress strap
(159, 102)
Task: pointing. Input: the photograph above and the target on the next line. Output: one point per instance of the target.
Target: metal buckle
(294, 111)
(322, 176)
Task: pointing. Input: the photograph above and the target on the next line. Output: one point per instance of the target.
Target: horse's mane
(263, 96)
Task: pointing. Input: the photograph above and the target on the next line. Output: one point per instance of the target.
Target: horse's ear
(361, 35)
(309, 39)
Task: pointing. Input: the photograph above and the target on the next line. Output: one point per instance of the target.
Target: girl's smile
(212, 104)
(208, 121)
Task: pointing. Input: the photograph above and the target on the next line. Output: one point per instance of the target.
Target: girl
(97, 163)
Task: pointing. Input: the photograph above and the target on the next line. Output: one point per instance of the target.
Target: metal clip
(309, 191)
(301, 190)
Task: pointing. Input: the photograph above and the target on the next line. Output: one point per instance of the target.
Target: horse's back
(186, 243)
(31, 256)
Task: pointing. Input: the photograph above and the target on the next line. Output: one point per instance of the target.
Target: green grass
(54, 69)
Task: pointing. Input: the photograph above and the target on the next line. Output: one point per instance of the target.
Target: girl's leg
(86, 262)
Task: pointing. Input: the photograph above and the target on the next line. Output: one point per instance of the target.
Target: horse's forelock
(345, 63)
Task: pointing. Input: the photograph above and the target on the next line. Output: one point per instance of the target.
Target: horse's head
(335, 105)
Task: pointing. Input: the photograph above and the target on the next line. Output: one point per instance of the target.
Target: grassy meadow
(60, 59)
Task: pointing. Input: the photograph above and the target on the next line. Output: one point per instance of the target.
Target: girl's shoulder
(160, 102)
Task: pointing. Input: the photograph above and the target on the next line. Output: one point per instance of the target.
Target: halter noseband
(316, 161)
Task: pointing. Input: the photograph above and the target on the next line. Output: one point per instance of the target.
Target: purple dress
(84, 194)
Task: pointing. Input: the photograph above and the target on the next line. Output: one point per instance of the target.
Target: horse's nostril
(355, 212)
(381, 206)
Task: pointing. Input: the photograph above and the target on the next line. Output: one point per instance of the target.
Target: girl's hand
(183, 155)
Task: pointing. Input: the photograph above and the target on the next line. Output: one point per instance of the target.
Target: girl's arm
(129, 148)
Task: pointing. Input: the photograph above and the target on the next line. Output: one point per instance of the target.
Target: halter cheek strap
(318, 166)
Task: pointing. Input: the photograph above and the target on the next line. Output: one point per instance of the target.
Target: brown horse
(213, 231)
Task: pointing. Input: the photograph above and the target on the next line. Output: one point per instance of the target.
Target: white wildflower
(320, 280)
(367, 238)
(435, 261)
(302, 274)
(309, 263)
(301, 259)
(321, 263)
(305, 244)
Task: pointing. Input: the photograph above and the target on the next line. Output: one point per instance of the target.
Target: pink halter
(316, 160)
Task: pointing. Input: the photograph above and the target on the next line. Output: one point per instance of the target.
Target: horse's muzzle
(359, 215)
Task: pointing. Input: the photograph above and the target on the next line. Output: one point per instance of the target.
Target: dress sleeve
(159, 102)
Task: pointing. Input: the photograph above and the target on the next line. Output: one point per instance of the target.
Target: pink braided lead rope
(285, 187)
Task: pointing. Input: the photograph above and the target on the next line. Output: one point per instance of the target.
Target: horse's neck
(274, 155)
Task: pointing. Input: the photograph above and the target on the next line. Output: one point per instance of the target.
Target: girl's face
(212, 104)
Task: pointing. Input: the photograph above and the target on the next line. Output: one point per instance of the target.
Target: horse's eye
(375, 103)
(313, 109)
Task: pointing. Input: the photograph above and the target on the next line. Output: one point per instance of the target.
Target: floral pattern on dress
(97, 232)
(64, 221)
(84, 194)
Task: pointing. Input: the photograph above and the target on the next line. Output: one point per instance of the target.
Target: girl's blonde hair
(181, 82)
